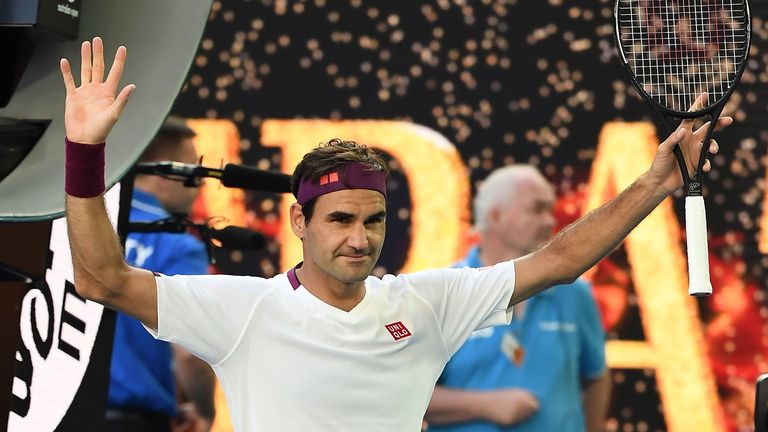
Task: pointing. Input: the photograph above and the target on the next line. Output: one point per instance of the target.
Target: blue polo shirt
(141, 372)
(561, 342)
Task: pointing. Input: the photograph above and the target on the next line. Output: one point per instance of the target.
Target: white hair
(498, 188)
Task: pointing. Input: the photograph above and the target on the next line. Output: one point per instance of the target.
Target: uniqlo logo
(398, 330)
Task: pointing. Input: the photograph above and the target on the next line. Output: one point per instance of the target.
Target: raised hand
(92, 109)
(664, 168)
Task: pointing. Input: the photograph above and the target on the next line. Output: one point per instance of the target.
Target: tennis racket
(674, 51)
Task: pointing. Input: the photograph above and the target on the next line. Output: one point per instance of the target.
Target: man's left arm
(585, 242)
(596, 396)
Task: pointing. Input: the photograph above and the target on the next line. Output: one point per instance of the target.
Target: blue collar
(148, 203)
(472, 259)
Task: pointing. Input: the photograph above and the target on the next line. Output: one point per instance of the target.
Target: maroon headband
(353, 175)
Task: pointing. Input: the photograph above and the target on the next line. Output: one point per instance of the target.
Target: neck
(339, 294)
(493, 252)
(144, 184)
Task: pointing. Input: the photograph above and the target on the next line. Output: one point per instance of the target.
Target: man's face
(175, 197)
(345, 235)
(525, 222)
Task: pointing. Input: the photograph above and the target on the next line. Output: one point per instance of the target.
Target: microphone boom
(232, 176)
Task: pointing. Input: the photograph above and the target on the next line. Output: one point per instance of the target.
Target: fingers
(113, 79)
(699, 103)
(66, 73)
(723, 122)
(98, 60)
(117, 107)
(675, 138)
(714, 147)
(700, 132)
(95, 73)
(85, 63)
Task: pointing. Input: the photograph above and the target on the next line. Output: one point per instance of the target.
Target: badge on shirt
(398, 330)
(512, 348)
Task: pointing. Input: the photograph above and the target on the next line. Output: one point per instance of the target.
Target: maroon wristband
(84, 173)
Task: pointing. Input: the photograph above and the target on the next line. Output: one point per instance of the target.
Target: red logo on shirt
(398, 330)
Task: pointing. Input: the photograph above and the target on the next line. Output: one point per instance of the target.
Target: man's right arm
(92, 109)
(101, 273)
(503, 407)
(196, 382)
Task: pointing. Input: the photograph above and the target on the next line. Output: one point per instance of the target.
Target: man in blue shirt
(142, 389)
(545, 371)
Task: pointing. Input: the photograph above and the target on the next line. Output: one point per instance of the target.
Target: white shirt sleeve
(466, 299)
(206, 314)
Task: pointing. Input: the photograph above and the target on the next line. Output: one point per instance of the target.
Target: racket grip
(698, 251)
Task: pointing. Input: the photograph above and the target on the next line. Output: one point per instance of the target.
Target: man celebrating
(530, 375)
(324, 347)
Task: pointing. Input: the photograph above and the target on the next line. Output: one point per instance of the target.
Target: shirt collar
(148, 203)
(472, 259)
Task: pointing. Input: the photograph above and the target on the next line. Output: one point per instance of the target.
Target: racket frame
(693, 185)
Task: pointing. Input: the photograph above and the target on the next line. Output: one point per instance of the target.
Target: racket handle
(696, 236)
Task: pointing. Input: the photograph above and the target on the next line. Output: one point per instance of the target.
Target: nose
(358, 237)
(550, 220)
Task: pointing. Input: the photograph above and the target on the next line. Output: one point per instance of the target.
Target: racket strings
(679, 49)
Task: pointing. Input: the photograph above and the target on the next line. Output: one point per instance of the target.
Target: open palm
(92, 109)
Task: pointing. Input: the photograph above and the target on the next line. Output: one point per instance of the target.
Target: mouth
(355, 258)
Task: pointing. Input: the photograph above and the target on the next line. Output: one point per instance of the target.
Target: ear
(494, 216)
(297, 221)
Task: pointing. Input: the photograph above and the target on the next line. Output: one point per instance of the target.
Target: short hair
(165, 144)
(325, 158)
(497, 189)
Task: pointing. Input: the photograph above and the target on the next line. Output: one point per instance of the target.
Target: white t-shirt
(287, 361)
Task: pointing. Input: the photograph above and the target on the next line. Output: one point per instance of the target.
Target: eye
(340, 217)
(375, 220)
(542, 208)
